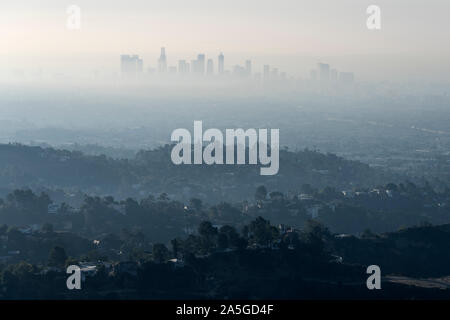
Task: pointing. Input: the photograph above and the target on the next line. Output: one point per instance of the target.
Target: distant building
(4, 259)
(221, 64)
(346, 77)
(119, 208)
(199, 67)
(248, 67)
(324, 72)
(333, 75)
(52, 208)
(87, 270)
(29, 229)
(130, 65)
(162, 61)
(210, 67)
(183, 67)
(176, 263)
(313, 211)
(238, 71)
(305, 197)
(348, 194)
(126, 64)
(193, 66)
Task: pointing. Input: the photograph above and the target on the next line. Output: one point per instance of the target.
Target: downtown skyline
(292, 36)
(133, 65)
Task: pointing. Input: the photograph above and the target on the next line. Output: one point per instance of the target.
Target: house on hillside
(313, 210)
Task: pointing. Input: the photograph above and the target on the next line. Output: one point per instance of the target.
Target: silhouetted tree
(160, 252)
(261, 193)
(57, 257)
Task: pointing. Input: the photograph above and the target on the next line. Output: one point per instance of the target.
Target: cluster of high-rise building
(133, 65)
(324, 74)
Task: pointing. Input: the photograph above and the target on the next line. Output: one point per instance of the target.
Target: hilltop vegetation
(153, 172)
(261, 261)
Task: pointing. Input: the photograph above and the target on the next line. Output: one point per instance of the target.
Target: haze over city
(224, 150)
(293, 35)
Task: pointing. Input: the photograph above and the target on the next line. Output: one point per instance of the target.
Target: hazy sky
(290, 34)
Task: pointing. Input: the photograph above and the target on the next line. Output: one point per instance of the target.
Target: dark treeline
(260, 261)
(153, 172)
(144, 228)
(381, 209)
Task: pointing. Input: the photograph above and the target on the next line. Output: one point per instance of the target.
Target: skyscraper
(162, 62)
(333, 75)
(200, 64)
(131, 65)
(221, 63)
(210, 67)
(182, 67)
(248, 67)
(324, 72)
(124, 64)
(346, 77)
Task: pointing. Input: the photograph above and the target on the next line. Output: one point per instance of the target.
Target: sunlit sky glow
(292, 34)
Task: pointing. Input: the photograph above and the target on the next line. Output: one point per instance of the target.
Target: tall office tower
(221, 64)
(346, 77)
(125, 64)
(200, 64)
(210, 67)
(162, 62)
(333, 75)
(313, 74)
(130, 65)
(248, 67)
(324, 72)
(182, 67)
(266, 72)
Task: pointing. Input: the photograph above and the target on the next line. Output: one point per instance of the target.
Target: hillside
(153, 172)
